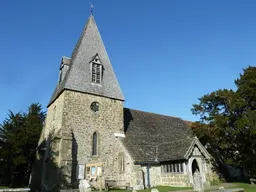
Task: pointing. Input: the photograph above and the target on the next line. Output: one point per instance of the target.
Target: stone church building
(88, 134)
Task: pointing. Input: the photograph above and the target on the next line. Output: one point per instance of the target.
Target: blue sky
(166, 53)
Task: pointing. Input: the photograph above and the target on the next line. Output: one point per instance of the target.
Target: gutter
(146, 162)
(148, 175)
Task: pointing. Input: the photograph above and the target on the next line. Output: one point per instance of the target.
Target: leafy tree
(19, 135)
(228, 122)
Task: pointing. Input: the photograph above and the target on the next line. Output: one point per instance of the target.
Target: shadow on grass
(4, 187)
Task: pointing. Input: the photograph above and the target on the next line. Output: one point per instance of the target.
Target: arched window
(94, 143)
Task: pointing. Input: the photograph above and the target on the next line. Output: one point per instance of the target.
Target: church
(88, 134)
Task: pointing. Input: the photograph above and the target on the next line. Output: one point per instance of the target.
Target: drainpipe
(148, 176)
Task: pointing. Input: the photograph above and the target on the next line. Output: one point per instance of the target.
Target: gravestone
(198, 184)
(253, 181)
(138, 175)
(84, 186)
(154, 190)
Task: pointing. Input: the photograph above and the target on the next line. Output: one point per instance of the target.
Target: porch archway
(195, 166)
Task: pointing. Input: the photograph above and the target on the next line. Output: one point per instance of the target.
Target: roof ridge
(154, 113)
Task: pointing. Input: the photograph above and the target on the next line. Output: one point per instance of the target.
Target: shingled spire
(90, 69)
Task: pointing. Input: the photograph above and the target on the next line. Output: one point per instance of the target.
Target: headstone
(221, 189)
(138, 175)
(84, 186)
(154, 190)
(253, 181)
(198, 184)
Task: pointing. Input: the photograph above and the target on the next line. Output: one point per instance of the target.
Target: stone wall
(79, 119)
(68, 131)
(36, 175)
(179, 180)
(132, 173)
(155, 174)
(128, 172)
(51, 136)
(168, 179)
(54, 118)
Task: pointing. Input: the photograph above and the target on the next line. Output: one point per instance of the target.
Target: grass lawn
(160, 189)
(247, 187)
(3, 187)
(166, 189)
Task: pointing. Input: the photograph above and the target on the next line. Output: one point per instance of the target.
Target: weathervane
(91, 9)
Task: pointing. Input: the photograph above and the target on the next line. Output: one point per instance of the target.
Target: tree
(245, 114)
(9, 150)
(228, 122)
(19, 134)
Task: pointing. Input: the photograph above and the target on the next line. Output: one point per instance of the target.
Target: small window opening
(172, 168)
(121, 162)
(94, 144)
(96, 73)
(95, 106)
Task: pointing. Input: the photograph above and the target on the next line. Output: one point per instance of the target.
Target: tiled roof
(150, 137)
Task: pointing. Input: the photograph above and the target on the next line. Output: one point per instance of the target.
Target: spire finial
(91, 9)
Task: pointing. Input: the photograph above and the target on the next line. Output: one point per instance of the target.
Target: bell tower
(84, 115)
